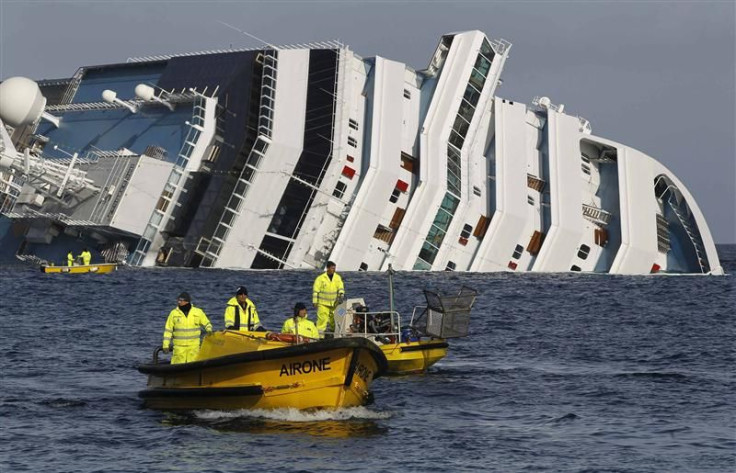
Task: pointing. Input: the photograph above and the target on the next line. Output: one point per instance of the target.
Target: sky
(655, 75)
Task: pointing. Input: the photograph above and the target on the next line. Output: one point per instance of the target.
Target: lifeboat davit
(263, 370)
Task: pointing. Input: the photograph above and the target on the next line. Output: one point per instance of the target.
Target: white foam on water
(295, 415)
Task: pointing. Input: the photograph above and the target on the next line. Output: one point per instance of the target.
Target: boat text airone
(306, 367)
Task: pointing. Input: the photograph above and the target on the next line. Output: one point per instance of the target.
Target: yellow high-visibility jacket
(305, 326)
(86, 257)
(237, 318)
(185, 329)
(70, 259)
(326, 292)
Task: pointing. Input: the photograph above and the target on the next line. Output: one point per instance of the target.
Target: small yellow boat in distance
(260, 370)
(102, 268)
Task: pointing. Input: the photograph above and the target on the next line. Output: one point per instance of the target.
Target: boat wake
(295, 415)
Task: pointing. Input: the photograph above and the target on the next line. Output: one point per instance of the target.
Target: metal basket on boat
(447, 316)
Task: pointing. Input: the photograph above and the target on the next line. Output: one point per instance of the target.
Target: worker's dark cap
(330, 264)
(241, 291)
(185, 296)
(299, 306)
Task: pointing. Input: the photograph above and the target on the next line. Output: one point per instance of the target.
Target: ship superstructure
(285, 157)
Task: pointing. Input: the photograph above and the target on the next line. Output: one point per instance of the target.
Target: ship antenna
(248, 34)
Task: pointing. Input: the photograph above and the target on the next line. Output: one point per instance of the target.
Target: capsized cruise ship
(285, 157)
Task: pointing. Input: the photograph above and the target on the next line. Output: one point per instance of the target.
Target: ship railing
(184, 97)
(328, 44)
(597, 215)
(500, 46)
(692, 233)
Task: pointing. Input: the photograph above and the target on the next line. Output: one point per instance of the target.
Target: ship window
(384, 234)
(353, 124)
(517, 252)
(240, 187)
(476, 190)
(466, 110)
(221, 232)
(585, 158)
(247, 174)
(575, 268)
(163, 204)
(585, 168)
(428, 253)
(227, 217)
(456, 139)
(450, 266)
(466, 231)
(352, 142)
(339, 191)
(395, 196)
(583, 252)
(471, 95)
(530, 199)
(408, 162)
(483, 65)
(477, 79)
(461, 125)
(421, 265)
(363, 267)
(407, 94)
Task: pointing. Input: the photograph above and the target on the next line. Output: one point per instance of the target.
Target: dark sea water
(578, 373)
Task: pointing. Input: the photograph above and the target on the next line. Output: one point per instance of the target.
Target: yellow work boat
(102, 268)
(258, 370)
(414, 357)
(417, 346)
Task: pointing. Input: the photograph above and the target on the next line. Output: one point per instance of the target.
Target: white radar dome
(109, 95)
(545, 102)
(21, 101)
(144, 92)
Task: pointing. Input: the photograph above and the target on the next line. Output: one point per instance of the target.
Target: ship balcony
(597, 215)
(535, 183)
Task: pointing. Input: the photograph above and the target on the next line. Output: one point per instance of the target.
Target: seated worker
(184, 325)
(70, 259)
(241, 313)
(85, 257)
(299, 324)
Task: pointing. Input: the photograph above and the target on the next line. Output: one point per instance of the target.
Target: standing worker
(299, 324)
(241, 313)
(86, 257)
(185, 324)
(70, 258)
(328, 292)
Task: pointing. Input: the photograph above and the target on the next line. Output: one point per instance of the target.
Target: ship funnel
(22, 103)
(110, 96)
(147, 93)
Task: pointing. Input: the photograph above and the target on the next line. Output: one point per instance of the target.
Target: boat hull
(319, 375)
(102, 268)
(413, 357)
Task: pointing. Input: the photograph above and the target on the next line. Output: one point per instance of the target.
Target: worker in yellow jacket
(328, 292)
(241, 313)
(85, 256)
(184, 325)
(70, 259)
(299, 324)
